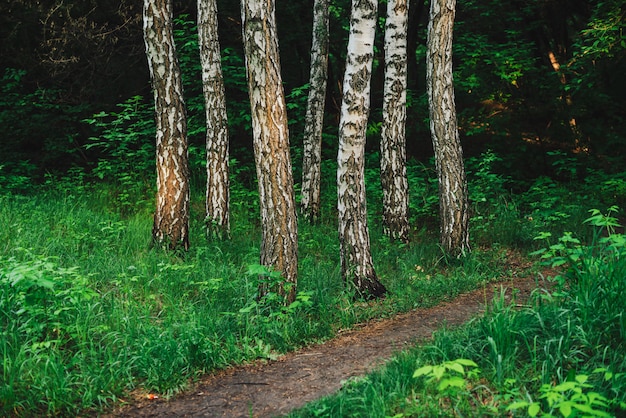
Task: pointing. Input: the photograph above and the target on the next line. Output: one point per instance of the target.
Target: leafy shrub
(423, 190)
(49, 319)
(43, 126)
(17, 177)
(570, 398)
(40, 299)
(127, 152)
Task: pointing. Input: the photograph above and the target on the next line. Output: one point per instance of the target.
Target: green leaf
(422, 371)
(595, 398)
(565, 386)
(558, 262)
(294, 305)
(538, 252)
(517, 405)
(454, 381)
(456, 367)
(257, 270)
(249, 308)
(569, 237)
(466, 362)
(438, 371)
(534, 409)
(608, 375)
(565, 409)
(43, 282)
(543, 235)
(581, 378)
(584, 408)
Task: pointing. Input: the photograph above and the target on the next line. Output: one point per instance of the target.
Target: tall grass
(562, 354)
(89, 311)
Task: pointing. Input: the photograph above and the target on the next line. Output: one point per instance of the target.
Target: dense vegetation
(562, 354)
(89, 311)
(510, 97)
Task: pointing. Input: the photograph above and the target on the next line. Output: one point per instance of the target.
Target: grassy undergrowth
(563, 354)
(89, 312)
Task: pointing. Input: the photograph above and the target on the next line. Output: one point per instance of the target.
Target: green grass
(89, 311)
(562, 354)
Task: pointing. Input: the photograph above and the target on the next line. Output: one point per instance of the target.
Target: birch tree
(393, 138)
(279, 247)
(356, 257)
(314, 118)
(217, 214)
(171, 219)
(453, 195)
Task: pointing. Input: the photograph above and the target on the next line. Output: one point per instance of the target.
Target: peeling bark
(314, 118)
(356, 257)
(217, 214)
(171, 219)
(453, 194)
(279, 246)
(393, 136)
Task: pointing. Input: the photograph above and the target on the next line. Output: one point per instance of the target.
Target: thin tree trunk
(314, 119)
(393, 139)
(356, 257)
(568, 103)
(279, 247)
(217, 187)
(453, 195)
(171, 219)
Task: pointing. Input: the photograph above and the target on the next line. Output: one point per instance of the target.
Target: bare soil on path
(274, 388)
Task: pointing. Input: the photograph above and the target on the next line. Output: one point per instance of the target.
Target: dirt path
(274, 388)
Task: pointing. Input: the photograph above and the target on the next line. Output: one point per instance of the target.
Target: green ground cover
(89, 311)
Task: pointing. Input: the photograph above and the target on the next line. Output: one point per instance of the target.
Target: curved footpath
(273, 388)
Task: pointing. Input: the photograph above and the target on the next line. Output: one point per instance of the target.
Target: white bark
(356, 258)
(314, 119)
(393, 138)
(217, 216)
(453, 193)
(171, 219)
(279, 247)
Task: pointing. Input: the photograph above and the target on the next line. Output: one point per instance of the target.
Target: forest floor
(272, 388)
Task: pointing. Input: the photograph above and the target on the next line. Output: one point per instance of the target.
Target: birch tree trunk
(314, 118)
(171, 219)
(356, 257)
(393, 138)
(279, 247)
(453, 195)
(217, 215)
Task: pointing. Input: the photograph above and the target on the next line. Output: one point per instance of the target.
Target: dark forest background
(61, 63)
